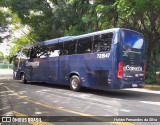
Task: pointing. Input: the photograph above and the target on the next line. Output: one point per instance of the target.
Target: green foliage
(39, 15)
(1, 55)
(3, 23)
(152, 77)
(19, 43)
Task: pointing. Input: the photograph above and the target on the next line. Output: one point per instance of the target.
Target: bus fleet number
(102, 56)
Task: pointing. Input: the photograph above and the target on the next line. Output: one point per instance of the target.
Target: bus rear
(131, 59)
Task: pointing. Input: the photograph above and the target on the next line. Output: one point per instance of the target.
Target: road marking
(11, 113)
(65, 110)
(125, 110)
(45, 105)
(143, 90)
(152, 103)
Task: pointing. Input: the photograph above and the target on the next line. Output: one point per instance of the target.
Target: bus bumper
(131, 84)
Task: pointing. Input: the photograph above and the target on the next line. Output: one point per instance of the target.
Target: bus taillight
(120, 70)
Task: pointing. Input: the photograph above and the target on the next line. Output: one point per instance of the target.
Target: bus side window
(84, 45)
(33, 52)
(29, 53)
(102, 42)
(24, 53)
(39, 52)
(54, 50)
(60, 48)
(69, 48)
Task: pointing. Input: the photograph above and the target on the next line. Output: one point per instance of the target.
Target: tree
(39, 16)
(136, 15)
(3, 24)
(1, 55)
(88, 17)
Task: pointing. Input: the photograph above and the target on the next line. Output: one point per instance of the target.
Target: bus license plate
(134, 85)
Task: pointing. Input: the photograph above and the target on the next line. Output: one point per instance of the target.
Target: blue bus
(108, 59)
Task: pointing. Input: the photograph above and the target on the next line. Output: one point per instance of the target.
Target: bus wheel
(24, 80)
(75, 83)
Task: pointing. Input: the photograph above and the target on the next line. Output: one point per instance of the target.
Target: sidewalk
(6, 71)
(5, 105)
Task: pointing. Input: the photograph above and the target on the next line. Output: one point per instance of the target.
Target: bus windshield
(132, 39)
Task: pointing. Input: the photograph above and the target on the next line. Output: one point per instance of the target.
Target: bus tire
(75, 83)
(23, 79)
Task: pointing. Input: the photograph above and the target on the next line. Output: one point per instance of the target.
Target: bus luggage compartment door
(101, 77)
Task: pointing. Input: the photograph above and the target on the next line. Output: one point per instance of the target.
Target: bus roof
(98, 32)
(67, 38)
(56, 40)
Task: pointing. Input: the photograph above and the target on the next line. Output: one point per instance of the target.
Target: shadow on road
(111, 93)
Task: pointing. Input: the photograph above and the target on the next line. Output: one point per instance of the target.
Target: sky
(5, 46)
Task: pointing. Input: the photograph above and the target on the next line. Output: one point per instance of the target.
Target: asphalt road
(40, 99)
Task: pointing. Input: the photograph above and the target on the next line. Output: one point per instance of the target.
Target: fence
(6, 66)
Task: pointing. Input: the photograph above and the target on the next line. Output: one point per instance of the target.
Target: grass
(152, 86)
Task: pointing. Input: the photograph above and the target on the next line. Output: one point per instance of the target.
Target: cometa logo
(33, 64)
(130, 68)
